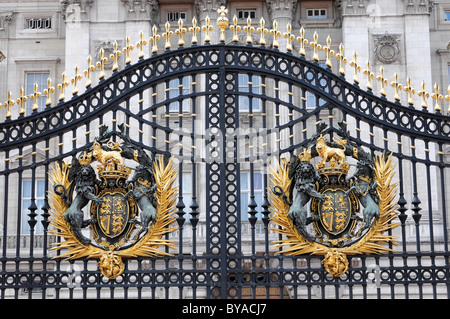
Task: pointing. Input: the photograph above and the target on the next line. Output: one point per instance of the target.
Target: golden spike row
(35, 96)
(383, 81)
(409, 89)
(21, 101)
(180, 32)
(249, 29)
(424, 95)
(356, 68)
(262, 31)
(329, 52)
(222, 22)
(75, 80)
(370, 76)
(194, 30)
(275, 33)
(8, 104)
(397, 86)
(289, 36)
(235, 28)
(316, 46)
(48, 92)
(302, 41)
(207, 28)
(437, 97)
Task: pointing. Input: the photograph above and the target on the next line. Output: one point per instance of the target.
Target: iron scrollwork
(338, 229)
(128, 217)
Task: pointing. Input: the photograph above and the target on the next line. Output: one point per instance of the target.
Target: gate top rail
(55, 119)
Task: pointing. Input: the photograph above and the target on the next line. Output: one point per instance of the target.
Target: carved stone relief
(387, 48)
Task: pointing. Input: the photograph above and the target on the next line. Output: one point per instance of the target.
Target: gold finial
(75, 80)
(167, 35)
(194, 30)
(356, 67)
(437, 97)
(249, 29)
(424, 95)
(23, 98)
(207, 28)
(262, 31)
(89, 70)
(127, 50)
(62, 87)
(369, 76)
(289, 36)
(329, 52)
(222, 22)
(316, 46)
(275, 34)
(154, 39)
(235, 28)
(342, 59)
(180, 32)
(383, 81)
(48, 91)
(141, 44)
(114, 56)
(101, 64)
(34, 97)
(302, 41)
(408, 88)
(397, 87)
(8, 104)
(447, 98)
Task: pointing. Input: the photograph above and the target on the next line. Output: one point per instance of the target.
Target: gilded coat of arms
(323, 211)
(127, 216)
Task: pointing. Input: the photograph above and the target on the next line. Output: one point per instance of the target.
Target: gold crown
(85, 158)
(333, 168)
(115, 171)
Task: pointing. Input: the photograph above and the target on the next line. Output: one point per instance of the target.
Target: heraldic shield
(128, 217)
(347, 215)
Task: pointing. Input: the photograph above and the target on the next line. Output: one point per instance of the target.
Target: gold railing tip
(207, 28)
(222, 22)
(397, 86)
(23, 98)
(369, 75)
(48, 92)
(262, 31)
(194, 30)
(329, 52)
(275, 33)
(235, 28)
(437, 97)
(302, 41)
(410, 90)
(289, 36)
(342, 59)
(424, 95)
(181, 31)
(249, 29)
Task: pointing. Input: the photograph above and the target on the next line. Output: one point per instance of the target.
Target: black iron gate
(225, 112)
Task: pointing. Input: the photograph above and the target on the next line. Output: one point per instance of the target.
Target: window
(244, 84)
(243, 14)
(177, 88)
(26, 202)
(447, 16)
(40, 78)
(316, 13)
(174, 16)
(38, 23)
(245, 180)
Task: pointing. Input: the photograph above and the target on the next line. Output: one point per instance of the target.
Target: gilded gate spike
(75, 80)
(383, 81)
(194, 30)
(21, 101)
(167, 35)
(342, 59)
(35, 96)
(397, 87)
(141, 44)
(356, 67)
(207, 28)
(424, 95)
(101, 64)
(302, 41)
(447, 98)
(62, 87)
(369, 76)
(408, 88)
(8, 104)
(235, 28)
(222, 22)
(329, 52)
(437, 97)
(87, 73)
(275, 34)
(316, 46)
(249, 29)
(180, 32)
(262, 31)
(127, 50)
(114, 56)
(289, 36)
(154, 39)
(48, 92)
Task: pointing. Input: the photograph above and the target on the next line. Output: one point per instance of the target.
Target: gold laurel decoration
(335, 261)
(110, 263)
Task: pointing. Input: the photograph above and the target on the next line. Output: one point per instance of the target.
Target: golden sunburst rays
(375, 241)
(110, 261)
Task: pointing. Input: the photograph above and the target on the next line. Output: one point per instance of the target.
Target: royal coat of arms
(127, 216)
(323, 211)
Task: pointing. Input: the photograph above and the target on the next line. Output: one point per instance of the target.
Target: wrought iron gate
(225, 112)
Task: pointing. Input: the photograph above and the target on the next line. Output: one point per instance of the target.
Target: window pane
(26, 191)
(244, 182)
(257, 180)
(40, 189)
